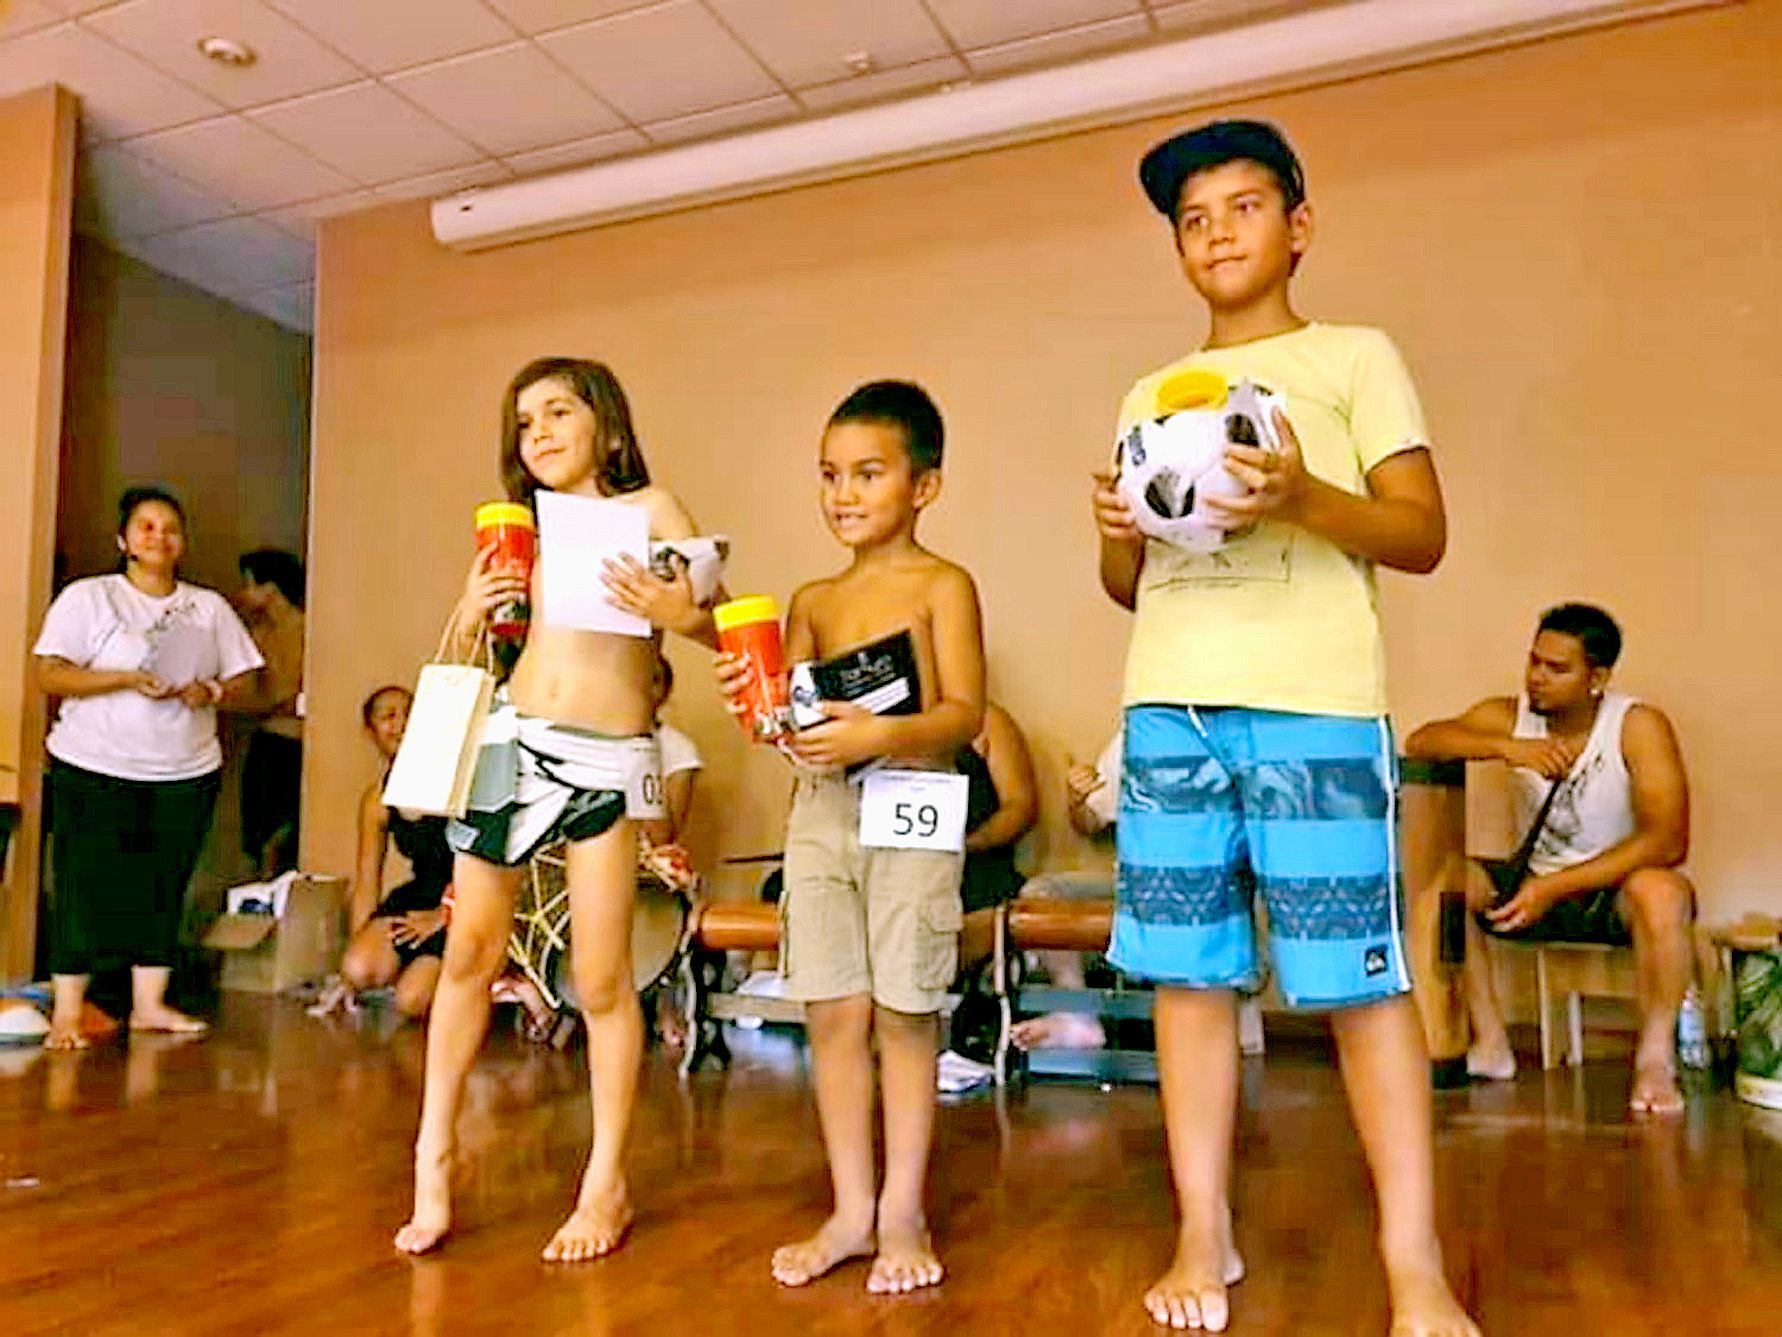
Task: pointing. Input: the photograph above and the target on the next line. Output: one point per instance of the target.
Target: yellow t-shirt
(1278, 618)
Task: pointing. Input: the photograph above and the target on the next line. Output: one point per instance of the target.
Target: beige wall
(1574, 242)
(37, 136)
(169, 384)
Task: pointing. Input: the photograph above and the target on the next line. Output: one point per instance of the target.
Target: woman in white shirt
(141, 661)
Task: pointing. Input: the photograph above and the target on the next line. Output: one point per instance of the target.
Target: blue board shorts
(1217, 804)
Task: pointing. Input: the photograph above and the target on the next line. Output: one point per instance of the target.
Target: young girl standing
(557, 760)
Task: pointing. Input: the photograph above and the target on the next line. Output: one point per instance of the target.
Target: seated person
(681, 764)
(1093, 796)
(1001, 808)
(1602, 814)
(661, 851)
(397, 939)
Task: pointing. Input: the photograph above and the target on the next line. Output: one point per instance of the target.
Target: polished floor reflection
(249, 1183)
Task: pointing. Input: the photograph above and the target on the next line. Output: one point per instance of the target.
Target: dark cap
(1163, 170)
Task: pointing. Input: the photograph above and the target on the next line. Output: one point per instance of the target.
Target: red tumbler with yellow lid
(507, 528)
(751, 628)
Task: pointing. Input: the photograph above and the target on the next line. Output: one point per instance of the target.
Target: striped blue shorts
(1217, 804)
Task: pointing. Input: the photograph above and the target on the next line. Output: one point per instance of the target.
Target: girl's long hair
(620, 462)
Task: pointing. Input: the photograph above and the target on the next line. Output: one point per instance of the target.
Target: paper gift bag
(434, 766)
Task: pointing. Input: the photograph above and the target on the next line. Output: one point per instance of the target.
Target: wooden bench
(719, 927)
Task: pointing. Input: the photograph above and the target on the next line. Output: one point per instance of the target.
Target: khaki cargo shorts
(864, 921)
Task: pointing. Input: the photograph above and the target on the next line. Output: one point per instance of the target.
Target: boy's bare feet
(432, 1218)
(1492, 1063)
(1191, 1295)
(836, 1241)
(1422, 1304)
(596, 1227)
(166, 1020)
(905, 1261)
(1655, 1090)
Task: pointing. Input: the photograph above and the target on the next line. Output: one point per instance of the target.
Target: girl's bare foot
(1655, 1090)
(836, 1241)
(431, 1221)
(905, 1261)
(1192, 1294)
(595, 1228)
(167, 1020)
(62, 1035)
(1423, 1306)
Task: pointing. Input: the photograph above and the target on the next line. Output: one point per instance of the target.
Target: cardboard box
(263, 954)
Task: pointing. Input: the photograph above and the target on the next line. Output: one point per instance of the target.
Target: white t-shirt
(679, 753)
(1104, 803)
(191, 635)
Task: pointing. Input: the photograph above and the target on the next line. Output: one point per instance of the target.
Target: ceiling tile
(120, 95)
(382, 36)
(242, 161)
(21, 16)
(166, 32)
(508, 100)
(576, 154)
(1195, 15)
(536, 16)
(368, 132)
(922, 77)
(482, 173)
(661, 62)
(230, 256)
(1059, 46)
(703, 124)
(975, 23)
(300, 220)
(120, 195)
(81, 6)
(807, 41)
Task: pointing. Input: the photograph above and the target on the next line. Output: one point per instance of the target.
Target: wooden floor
(249, 1183)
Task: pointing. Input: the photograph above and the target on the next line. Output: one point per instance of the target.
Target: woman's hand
(487, 588)
(141, 680)
(633, 588)
(416, 926)
(200, 694)
(1082, 782)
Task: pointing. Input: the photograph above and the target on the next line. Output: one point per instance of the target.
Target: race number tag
(913, 810)
(644, 798)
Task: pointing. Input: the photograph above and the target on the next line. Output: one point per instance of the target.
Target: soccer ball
(1170, 465)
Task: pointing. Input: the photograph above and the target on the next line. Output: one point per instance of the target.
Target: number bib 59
(913, 810)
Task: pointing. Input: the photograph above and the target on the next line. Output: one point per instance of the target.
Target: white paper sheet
(577, 536)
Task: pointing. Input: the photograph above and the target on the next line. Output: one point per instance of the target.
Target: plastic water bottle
(1692, 1031)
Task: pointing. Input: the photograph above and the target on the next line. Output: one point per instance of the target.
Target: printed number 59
(921, 819)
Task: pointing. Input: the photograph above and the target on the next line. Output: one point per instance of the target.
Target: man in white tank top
(1602, 819)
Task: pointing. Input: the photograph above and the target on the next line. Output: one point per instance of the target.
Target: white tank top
(1594, 810)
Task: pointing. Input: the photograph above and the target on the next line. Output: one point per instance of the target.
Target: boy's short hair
(1168, 165)
(905, 406)
(280, 568)
(1594, 629)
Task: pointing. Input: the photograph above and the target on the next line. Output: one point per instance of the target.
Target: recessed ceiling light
(227, 51)
(859, 63)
